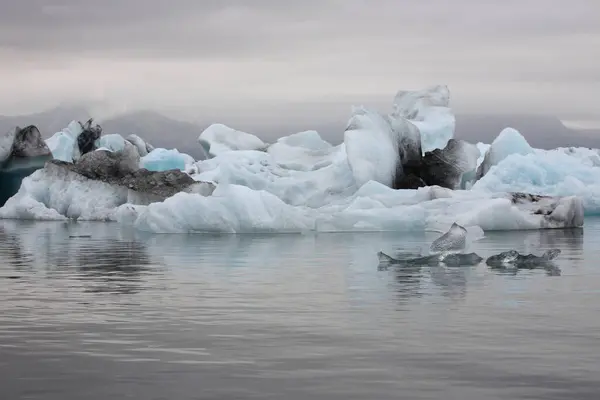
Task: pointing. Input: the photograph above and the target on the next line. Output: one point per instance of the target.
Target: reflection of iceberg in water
(408, 283)
(420, 281)
(102, 262)
(551, 269)
(113, 266)
(13, 253)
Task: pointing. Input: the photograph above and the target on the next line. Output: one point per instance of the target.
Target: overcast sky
(267, 58)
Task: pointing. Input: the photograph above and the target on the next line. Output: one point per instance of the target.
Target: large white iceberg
(302, 183)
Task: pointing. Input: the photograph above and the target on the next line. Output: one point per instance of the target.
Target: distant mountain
(541, 131)
(48, 122)
(158, 130)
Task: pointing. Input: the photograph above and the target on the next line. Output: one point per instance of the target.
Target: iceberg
(219, 138)
(401, 171)
(94, 188)
(413, 146)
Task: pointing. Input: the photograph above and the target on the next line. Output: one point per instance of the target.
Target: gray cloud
(246, 57)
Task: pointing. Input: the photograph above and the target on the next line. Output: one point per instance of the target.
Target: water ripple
(216, 316)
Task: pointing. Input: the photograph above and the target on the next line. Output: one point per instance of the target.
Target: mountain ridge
(162, 131)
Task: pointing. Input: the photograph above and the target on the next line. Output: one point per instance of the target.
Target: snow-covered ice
(219, 138)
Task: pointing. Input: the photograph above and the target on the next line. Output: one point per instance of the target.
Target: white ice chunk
(113, 142)
(231, 208)
(483, 149)
(309, 140)
(304, 151)
(219, 138)
(429, 111)
(373, 144)
(508, 142)
(63, 144)
(259, 171)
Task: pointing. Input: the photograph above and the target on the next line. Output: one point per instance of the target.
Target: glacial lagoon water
(93, 311)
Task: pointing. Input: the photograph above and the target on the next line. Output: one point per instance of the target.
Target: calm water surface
(122, 314)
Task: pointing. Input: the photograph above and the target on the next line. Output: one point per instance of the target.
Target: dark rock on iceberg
(440, 167)
(86, 141)
(160, 184)
(121, 168)
(28, 142)
(557, 211)
(446, 167)
(408, 181)
(540, 205)
(23, 152)
(101, 163)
